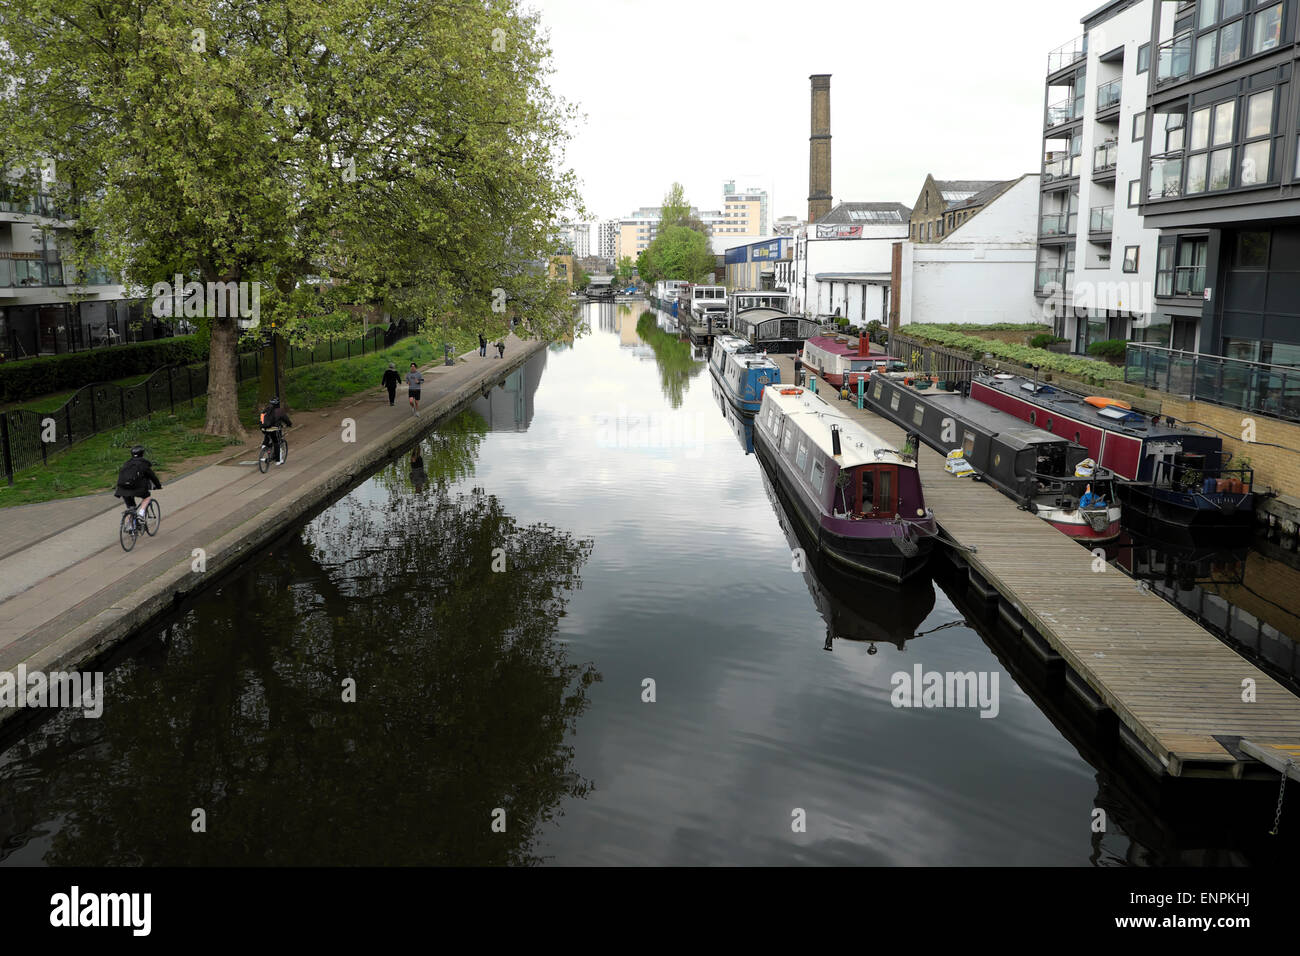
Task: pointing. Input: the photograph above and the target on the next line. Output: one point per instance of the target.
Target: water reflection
(676, 366)
(742, 426)
(509, 405)
(464, 699)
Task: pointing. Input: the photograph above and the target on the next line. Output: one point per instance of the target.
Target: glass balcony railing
(1108, 94)
(1174, 60)
(1067, 54)
(29, 274)
(1101, 218)
(1060, 166)
(1104, 157)
(1052, 279)
(1250, 386)
(1052, 224)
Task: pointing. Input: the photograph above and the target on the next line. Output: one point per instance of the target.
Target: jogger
(413, 382)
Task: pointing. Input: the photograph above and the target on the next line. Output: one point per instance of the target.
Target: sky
(703, 91)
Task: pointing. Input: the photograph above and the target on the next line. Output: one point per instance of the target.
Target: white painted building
(606, 238)
(982, 270)
(1096, 261)
(842, 263)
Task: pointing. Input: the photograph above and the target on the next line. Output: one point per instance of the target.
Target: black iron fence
(30, 437)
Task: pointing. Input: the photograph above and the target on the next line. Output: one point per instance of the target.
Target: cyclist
(134, 479)
(273, 417)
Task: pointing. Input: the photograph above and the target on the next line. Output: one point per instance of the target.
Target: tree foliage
(624, 271)
(677, 253)
(407, 152)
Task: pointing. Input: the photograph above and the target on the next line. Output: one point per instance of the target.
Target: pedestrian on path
(390, 382)
(501, 350)
(482, 345)
(413, 382)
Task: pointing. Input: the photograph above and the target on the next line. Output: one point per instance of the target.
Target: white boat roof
(734, 343)
(814, 416)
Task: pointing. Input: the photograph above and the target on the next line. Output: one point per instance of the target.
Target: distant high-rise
(819, 148)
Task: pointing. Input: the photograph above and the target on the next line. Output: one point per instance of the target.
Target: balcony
(1059, 166)
(1104, 159)
(1051, 280)
(1181, 281)
(1064, 111)
(1067, 54)
(1055, 224)
(1101, 220)
(1174, 60)
(1108, 95)
(1250, 386)
(29, 274)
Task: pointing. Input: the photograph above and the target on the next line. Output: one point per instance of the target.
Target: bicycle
(132, 525)
(264, 461)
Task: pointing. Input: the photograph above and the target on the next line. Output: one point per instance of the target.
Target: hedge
(1096, 373)
(31, 378)
(1113, 349)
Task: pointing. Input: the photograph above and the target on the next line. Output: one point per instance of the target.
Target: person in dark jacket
(135, 479)
(390, 381)
(272, 417)
(501, 350)
(482, 345)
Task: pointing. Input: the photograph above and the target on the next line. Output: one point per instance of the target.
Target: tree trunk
(223, 387)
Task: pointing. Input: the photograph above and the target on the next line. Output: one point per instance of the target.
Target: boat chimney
(835, 441)
(864, 343)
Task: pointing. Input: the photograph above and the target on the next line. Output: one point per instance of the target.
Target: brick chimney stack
(819, 149)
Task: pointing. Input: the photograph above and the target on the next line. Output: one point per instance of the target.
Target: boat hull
(1195, 511)
(875, 555)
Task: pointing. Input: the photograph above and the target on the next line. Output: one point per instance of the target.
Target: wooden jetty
(1186, 703)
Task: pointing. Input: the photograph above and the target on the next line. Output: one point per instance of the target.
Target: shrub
(1044, 339)
(1111, 349)
(30, 378)
(1088, 370)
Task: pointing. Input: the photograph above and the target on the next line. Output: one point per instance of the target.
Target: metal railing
(1104, 157)
(1181, 280)
(104, 406)
(1054, 224)
(1049, 278)
(1064, 111)
(1101, 218)
(1067, 54)
(1108, 94)
(1250, 386)
(1174, 60)
(1059, 167)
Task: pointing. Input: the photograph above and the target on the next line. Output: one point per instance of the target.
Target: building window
(1139, 127)
(1131, 258)
(1144, 58)
(1267, 29)
(1134, 193)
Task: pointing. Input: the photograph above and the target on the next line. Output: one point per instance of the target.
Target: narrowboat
(858, 609)
(743, 371)
(1046, 475)
(1170, 473)
(857, 497)
(834, 359)
(764, 319)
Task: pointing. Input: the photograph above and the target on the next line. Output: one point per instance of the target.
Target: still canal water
(639, 542)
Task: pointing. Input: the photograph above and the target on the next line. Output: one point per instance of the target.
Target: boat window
(801, 457)
(893, 400)
(1033, 418)
(879, 491)
(1076, 439)
(787, 441)
(968, 443)
(818, 476)
(875, 392)
(1049, 423)
(918, 415)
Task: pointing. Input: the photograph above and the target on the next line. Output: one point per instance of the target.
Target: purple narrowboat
(858, 498)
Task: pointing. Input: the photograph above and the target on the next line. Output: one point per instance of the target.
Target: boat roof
(1073, 405)
(752, 355)
(1003, 425)
(828, 344)
(814, 416)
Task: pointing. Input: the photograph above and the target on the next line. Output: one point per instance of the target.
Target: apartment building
(606, 239)
(1222, 167)
(1097, 258)
(576, 237)
(745, 212)
(46, 307)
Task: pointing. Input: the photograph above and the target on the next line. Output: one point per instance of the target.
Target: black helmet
(275, 402)
(137, 451)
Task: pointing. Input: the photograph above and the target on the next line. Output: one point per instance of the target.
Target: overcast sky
(702, 91)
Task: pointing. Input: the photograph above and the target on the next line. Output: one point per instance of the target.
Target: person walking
(482, 345)
(390, 382)
(413, 382)
(501, 350)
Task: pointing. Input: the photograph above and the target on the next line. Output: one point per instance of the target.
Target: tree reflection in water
(464, 699)
(673, 356)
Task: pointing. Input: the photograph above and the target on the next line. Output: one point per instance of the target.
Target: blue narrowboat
(743, 371)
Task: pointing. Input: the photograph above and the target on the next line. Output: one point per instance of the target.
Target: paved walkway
(66, 587)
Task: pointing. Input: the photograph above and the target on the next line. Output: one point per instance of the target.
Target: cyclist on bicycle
(134, 479)
(273, 418)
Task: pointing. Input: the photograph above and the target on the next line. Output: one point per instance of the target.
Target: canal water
(572, 626)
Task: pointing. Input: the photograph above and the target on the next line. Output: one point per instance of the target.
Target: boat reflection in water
(742, 426)
(855, 608)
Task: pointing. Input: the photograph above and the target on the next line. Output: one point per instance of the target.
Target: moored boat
(764, 319)
(860, 499)
(1047, 475)
(835, 359)
(1171, 473)
(743, 371)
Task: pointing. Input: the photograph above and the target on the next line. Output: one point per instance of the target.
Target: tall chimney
(819, 149)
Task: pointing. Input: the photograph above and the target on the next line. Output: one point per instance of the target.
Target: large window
(1144, 58)
(1228, 144)
(1224, 27)
(1266, 29)
(1180, 266)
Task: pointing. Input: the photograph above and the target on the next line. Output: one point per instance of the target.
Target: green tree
(677, 253)
(625, 271)
(676, 210)
(407, 151)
